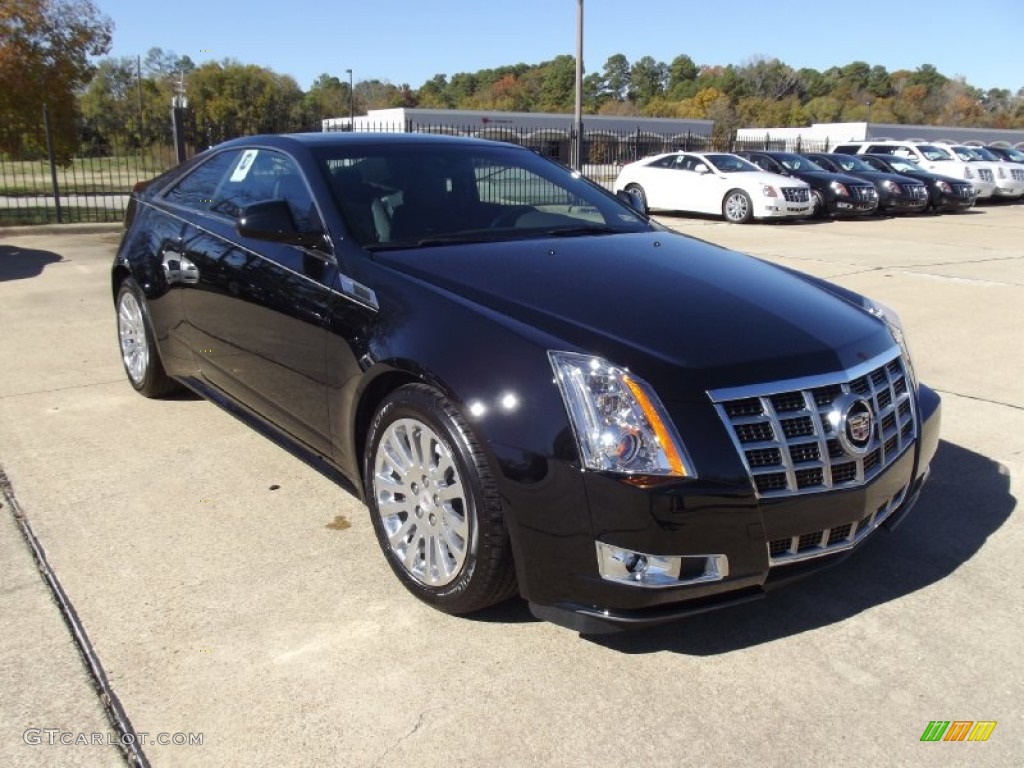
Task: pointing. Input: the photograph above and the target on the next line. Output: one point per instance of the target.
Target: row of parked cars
(857, 179)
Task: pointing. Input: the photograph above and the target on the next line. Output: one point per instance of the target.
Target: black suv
(837, 194)
(896, 194)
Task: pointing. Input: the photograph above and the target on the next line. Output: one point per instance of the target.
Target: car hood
(829, 177)
(658, 303)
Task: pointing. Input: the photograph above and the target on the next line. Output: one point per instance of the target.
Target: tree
(232, 99)
(647, 79)
(616, 76)
(45, 47)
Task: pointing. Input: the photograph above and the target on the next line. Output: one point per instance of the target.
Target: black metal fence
(94, 186)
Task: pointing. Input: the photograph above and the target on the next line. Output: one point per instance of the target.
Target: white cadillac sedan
(714, 182)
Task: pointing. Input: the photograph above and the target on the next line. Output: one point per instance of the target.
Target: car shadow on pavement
(966, 500)
(20, 263)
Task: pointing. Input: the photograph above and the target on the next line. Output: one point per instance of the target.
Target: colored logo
(854, 424)
(958, 730)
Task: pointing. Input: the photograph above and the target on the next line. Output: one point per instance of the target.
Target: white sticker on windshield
(242, 169)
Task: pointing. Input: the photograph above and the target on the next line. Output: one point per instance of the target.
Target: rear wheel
(138, 348)
(737, 208)
(435, 505)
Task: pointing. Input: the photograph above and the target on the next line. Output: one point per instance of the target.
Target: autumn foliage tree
(45, 47)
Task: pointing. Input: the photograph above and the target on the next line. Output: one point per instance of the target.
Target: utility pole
(142, 120)
(351, 103)
(576, 159)
(178, 104)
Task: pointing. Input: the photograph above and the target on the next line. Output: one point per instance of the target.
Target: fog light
(643, 570)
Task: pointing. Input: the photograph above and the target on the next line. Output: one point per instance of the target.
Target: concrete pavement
(268, 622)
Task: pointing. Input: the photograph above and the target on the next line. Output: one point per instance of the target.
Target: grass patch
(41, 214)
(84, 175)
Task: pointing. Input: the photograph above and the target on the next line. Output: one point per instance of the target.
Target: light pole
(577, 147)
(351, 102)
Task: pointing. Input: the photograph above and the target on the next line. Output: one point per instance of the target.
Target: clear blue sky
(410, 41)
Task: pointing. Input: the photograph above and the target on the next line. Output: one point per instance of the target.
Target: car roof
(339, 139)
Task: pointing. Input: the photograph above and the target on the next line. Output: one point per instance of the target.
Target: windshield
(1013, 154)
(935, 154)
(797, 162)
(903, 166)
(985, 154)
(413, 195)
(851, 163)
(965, 153)
(730, 163)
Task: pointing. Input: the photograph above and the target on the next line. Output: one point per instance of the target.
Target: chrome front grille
(787, 432)
(1017, 174)
(863, 193)
(796, 194)
(985, 174)
(917, 191)
(829, 540)
(963, 190)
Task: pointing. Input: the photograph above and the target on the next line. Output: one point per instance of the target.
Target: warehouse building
(606, 138)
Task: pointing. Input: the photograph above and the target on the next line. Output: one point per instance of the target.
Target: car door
(658, 180)
(259, 309)
(706, 190)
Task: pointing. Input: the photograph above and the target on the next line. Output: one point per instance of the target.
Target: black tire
(736, 207)
(637, 190)
(139, 354)
(470, 564)
(820, 206)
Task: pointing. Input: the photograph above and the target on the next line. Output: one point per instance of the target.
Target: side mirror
(702, 169)
(632, 199)
(272, 220)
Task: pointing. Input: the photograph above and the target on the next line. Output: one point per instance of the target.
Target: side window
(665, 162)
(196, 190)
(887, 149)
(259, 175)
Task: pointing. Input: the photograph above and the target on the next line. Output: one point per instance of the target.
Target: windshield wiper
(427, 242)
(582, 231)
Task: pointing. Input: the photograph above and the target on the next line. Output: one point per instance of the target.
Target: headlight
(968, 173)
(895, 326)
(944, 187)
(1002, 173)
(768, 190)
(892, 186)
(839, 188)
(620, 424)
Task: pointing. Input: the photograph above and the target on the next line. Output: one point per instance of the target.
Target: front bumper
(712, 516)
(845, 206)
(778, 208)
(905, 204)
(983, 189)
(1008, 189)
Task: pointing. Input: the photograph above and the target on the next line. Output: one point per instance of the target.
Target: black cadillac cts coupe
(535, 389)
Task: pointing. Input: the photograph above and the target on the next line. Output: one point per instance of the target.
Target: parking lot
(231, 591)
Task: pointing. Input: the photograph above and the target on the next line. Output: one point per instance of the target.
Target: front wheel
(737, 208)
(820, 208)
(435, 505)
(637, 190)
(138, 347)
